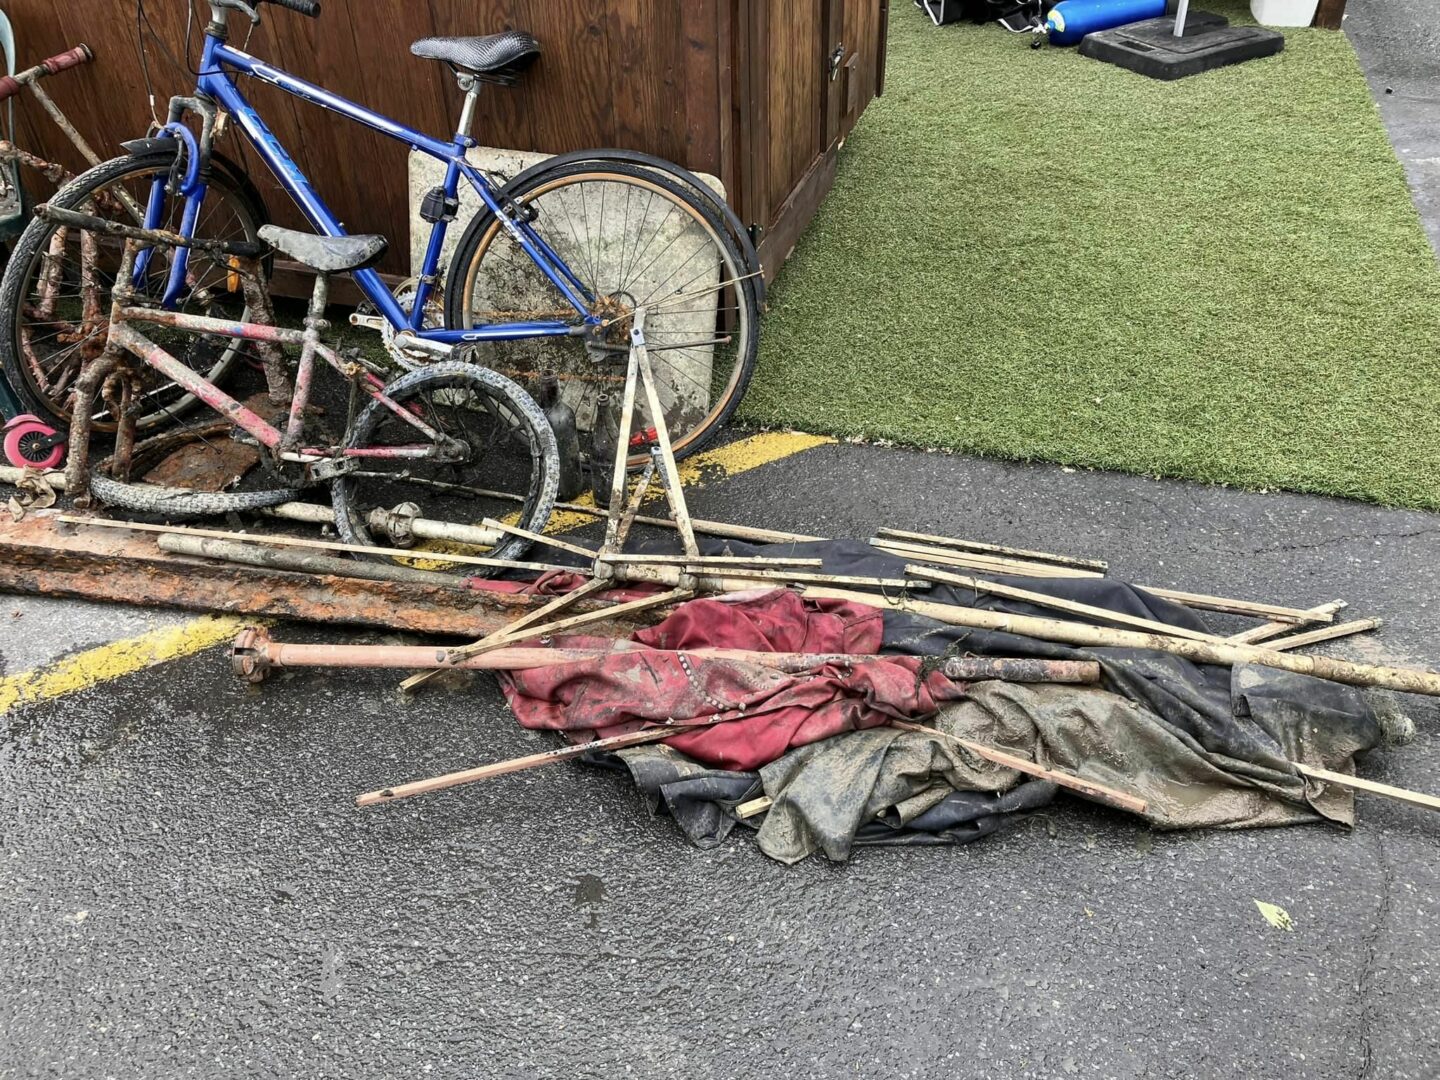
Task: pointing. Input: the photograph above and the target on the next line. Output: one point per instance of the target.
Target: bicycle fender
(149, 146)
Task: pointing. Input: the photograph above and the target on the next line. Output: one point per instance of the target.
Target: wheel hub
(614, 311)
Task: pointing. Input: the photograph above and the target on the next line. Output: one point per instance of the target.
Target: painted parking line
(118, 659)
(709, 467)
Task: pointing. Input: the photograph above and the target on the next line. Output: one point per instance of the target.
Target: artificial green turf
(1038, 256)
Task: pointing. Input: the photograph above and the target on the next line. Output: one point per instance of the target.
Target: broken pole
(1406, 680)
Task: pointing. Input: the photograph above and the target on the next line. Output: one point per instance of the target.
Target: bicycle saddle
(328, 254)
(495, 57)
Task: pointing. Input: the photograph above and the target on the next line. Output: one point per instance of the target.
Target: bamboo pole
(1322, 613)
(1016, 568)
(724, 530)
(1325, 633)
(529, 761)
(538, 538)
(724, 561)
(988, 563)
(1407, 680)
(994, 549)
(1099, 792)
(1223, 604)
(1071, 607)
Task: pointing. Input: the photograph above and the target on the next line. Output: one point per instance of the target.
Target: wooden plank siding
(738, 88)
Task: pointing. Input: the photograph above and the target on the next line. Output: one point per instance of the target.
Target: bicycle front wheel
(55, 298)
(633, 238)
(499, 459)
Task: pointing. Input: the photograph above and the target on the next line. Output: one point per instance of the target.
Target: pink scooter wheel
(23, 439)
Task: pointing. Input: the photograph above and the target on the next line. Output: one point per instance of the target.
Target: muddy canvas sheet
(1204, 745)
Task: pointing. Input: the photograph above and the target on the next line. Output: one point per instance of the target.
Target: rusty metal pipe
(300, 561)
(396, 524)
(254, 653)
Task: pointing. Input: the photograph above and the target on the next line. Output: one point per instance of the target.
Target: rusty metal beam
(37, 557)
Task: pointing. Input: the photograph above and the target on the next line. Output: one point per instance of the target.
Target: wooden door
(809, 68)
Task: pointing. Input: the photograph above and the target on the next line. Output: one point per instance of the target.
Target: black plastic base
(1151, 47)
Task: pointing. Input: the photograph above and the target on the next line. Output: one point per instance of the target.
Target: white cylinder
(1284, 12)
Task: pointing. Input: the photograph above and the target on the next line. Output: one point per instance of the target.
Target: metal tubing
(206, 391)
(420, 528)
(256, 645)
(279, 559)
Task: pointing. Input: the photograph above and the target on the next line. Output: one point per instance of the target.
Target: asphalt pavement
(189, 891)
(186, 888)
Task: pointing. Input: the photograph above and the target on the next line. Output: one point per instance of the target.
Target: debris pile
(910, 689)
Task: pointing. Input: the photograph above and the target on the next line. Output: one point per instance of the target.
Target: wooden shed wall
(663, 76)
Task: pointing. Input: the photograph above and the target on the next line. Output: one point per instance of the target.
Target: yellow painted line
(745, 454)
(119, 658)
(712, 465)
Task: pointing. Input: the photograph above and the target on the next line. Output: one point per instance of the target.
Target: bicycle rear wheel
(55, 296)
(506, 465)
(634, 238)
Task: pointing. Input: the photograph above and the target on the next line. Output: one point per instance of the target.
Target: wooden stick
(700, 561)
(988, 563)
(320, 545)
(1016, 568)
(725, 530)
(669, 472)
(1323, 613)
(1072, 607)
(995, 549)
(615, 513)
(627, 520)
(1056, 776)
(1407, 680)
(1080, 786)
(529, 761)
(506, 634)
(538, 538)
(1325, 633)
(1275, 612)
(1374, 787)
(744, 578)
(753, 807)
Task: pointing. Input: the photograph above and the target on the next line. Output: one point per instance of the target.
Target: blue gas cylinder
(1071, 20)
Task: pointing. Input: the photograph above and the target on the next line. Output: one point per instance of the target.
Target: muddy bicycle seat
(328, 254)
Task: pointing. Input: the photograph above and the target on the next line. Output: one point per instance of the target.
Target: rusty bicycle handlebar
(10, 85)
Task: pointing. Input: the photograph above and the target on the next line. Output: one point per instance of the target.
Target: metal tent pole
(1180, 12)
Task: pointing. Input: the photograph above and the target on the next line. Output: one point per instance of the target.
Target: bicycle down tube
(217, 83)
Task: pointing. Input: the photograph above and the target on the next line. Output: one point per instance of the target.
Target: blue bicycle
(540, 287)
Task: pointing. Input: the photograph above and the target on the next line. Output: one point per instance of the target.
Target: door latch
(835, 58)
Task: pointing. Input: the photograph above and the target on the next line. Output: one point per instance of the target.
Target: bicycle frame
(219, 66)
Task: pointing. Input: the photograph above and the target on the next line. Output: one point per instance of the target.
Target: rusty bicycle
(450, 442)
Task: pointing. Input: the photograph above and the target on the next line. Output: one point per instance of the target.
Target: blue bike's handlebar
(304, 7)
(248, 7)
